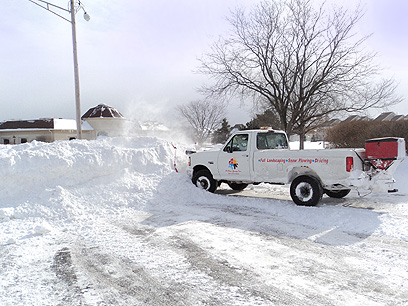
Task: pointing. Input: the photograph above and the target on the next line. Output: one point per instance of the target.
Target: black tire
(306, 191)
(237, 186)
(338, 194)
(203, 179)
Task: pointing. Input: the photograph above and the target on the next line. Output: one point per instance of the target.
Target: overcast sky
(139, 56)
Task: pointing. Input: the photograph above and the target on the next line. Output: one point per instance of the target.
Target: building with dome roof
(105, 120)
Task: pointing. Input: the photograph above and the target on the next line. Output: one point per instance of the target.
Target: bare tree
(305, 63)
(204, 117)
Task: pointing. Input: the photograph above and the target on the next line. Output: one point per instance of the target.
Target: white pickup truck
(263, 156)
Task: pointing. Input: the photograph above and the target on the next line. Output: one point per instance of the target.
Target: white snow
(294, 145)
(69, 124)
(153, 126)
(64, 124)
(109, 222)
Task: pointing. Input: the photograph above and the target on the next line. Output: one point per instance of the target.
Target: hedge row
(354, 134)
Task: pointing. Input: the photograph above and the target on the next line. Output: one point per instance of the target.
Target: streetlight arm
(47, 7)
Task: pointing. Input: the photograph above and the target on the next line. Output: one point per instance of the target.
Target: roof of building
(365, 118)
(398, 118)
(47, 123)
(331, 122)
(385, 116)
(352, 118)
(102, 111)
(43, 124)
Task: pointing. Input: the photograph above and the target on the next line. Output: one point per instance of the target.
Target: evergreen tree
(267, 119)
(221, 135)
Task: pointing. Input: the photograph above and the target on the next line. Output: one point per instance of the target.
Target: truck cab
(236, 160)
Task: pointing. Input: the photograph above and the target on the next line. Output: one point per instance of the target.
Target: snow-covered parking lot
(108, 222)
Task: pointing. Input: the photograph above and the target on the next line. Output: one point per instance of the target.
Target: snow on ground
(109, 222)
(294, 145)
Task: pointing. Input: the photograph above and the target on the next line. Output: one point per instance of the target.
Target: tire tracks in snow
(329, 258)
(219, 283)
(120, 281)
(232, 285)
(333, 260)
(64, 270)
(177, 265)
(247, 283)
(164, 268)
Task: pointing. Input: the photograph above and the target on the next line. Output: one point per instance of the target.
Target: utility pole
(71, 9)
(76, 74)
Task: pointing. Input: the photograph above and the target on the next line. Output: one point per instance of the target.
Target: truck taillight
(189, 161)
(349, 163)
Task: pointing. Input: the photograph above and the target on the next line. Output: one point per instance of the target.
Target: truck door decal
(233, 164)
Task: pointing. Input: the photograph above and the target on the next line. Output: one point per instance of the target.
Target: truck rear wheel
(203, 179)
(306, 191)
(237, 186)
(338, 194)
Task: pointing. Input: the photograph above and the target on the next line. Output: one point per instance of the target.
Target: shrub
(354, 134)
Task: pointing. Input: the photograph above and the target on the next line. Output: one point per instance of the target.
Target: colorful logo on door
(233, 164)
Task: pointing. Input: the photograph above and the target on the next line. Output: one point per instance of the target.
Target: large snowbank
(64, 180)
(55, 180)
(114, 205)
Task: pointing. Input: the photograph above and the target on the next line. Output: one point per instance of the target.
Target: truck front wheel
(204, 180)
(306, 191)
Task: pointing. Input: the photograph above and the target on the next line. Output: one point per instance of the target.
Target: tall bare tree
(305, 62)
(204, 117)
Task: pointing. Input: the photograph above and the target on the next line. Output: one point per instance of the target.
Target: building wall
(71, 134)
(107, 126)
(23, 136)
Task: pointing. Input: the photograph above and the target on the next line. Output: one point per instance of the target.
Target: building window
(23, 140)
(6, 141)
(41, 138)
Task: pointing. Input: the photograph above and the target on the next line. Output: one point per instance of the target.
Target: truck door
(270, 157)
(233, 160)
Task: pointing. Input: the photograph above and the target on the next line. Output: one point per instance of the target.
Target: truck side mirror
(228, 149)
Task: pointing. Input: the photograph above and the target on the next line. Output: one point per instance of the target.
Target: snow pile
(65, 180)
(62, 179)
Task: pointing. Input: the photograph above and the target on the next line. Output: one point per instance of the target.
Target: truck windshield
(271, 140)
